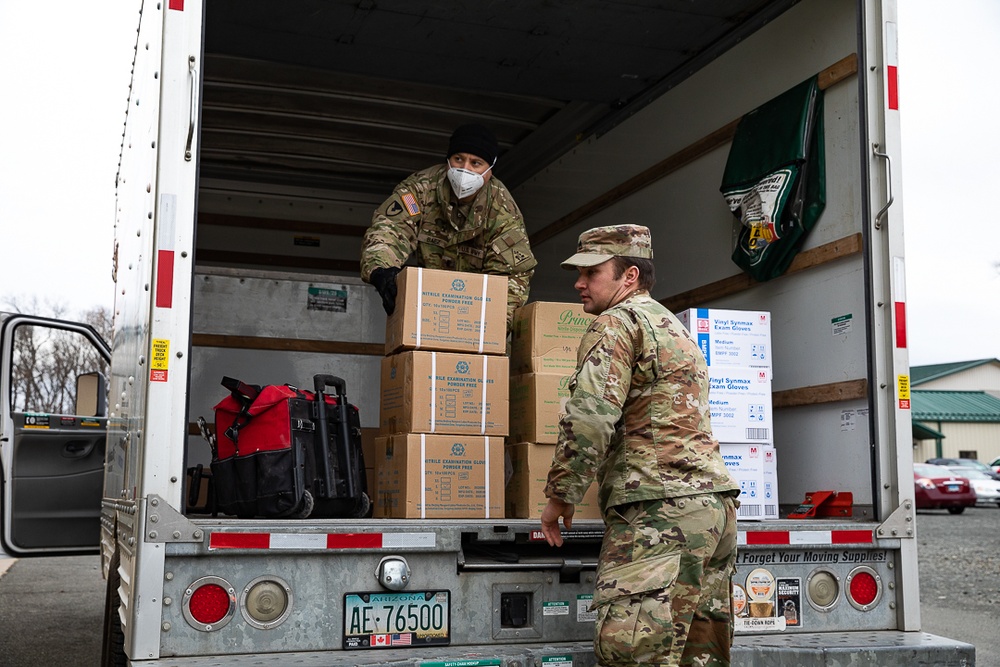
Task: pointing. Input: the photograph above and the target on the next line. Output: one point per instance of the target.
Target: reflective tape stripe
(784, 537)
(280, 541)
(892, 65)
(164, 287)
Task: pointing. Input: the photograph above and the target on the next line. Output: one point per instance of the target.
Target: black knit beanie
(475, 139)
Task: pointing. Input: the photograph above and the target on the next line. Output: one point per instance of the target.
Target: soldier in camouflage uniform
(638, 419)
(456, 216)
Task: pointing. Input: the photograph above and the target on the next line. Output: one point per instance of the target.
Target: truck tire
(113, 650)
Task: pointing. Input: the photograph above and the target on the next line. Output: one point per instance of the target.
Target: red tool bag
(282, 452)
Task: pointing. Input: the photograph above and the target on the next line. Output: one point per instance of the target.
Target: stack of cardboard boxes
(444, 398)
(737, 347)
(544, 341)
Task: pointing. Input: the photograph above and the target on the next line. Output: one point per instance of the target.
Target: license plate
(954, 487)
(394, 620)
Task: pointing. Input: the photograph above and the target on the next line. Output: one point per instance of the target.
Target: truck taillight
(864, 587)
(822, 589)
(209, 603)
(266, 602)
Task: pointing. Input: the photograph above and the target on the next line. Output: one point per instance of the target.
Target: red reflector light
(209, 604)
(864, 588)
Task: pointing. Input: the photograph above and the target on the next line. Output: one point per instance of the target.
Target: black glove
(384, 281)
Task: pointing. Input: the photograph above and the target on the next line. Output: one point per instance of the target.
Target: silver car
(987, 488)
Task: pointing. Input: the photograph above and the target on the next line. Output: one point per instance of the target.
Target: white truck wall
(692, 228)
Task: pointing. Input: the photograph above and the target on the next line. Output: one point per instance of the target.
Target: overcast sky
(65, 84)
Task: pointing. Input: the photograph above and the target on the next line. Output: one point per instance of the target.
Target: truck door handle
(193, 71)
(78, 449)
(888, 184)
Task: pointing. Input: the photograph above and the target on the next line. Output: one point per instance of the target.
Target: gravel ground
(959, 563)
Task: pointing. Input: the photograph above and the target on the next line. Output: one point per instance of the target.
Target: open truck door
(53, 428)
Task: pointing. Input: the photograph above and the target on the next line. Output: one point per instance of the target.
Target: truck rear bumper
(577, 654)
(829, 649)
(885, 648)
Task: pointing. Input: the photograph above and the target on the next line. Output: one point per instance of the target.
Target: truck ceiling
(353, 96)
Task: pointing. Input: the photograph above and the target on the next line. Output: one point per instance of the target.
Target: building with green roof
(955, 409)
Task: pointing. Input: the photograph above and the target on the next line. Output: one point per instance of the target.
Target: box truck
(260, 137)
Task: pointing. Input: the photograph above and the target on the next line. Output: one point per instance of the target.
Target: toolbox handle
(345, 454)
(321, 382)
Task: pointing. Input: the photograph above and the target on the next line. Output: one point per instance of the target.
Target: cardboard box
(537, 402)
(740, 403)
(745, 462)
(449, 311)
(545, 335)
(368, 452)
(740, 338)
(770, 492)
(439, 477)
(525, 490)
(444, 392)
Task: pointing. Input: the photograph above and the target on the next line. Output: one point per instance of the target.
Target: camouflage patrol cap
(600, 244)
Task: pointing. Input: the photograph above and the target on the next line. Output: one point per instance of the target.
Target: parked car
(987, 489)
(995, 464)
(966, 463)
(937, 487)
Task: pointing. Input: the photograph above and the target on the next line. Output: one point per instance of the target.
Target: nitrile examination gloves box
(739, 401)
(740, 338)
(745, 462)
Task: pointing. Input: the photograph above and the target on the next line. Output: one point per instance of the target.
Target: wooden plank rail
(351, 266)
(699, 296)
(839, 71)
(304, 226)
(287, 344)
(833, 392)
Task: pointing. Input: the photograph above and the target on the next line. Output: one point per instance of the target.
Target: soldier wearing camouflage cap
(637, 421)
(455, 216)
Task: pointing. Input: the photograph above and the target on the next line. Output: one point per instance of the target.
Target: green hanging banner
(775, 179)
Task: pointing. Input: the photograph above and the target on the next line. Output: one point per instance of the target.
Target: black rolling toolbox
(283, 452)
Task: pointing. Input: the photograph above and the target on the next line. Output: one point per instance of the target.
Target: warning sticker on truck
(903, 391)
(332, 299)
(583, 612)
(34, 420)
(159, 358)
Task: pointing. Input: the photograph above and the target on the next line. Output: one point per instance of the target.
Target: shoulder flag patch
(410, 202)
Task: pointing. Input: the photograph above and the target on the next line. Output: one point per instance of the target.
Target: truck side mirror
(91, 395)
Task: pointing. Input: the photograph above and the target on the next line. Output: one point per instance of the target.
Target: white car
(987, 488)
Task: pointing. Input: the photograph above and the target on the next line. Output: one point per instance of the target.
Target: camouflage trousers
(663, 591)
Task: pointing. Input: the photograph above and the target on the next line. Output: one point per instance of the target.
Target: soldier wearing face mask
(456, 216)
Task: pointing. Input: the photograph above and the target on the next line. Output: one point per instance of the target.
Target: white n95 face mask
(465, 182)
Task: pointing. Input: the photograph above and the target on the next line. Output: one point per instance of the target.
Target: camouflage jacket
(638, 414)
(485, 235)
